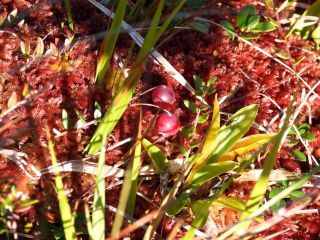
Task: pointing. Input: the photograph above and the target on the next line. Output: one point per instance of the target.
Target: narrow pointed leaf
(210, 171)
(243, 150)
(213, 130)
(261, 185)
(230, 134)
(158, 158)
(126, 187)
(64, 207)
(109, 42)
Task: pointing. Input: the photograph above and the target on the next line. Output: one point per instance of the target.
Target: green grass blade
(261, 185)
(210, 171)
(99, 199)
(213, 130)
(136, 163)
(169, 19)
(296, 185)
(150, 39)
(130, 180)
(88, 221)
(158, 158)
(65, 210)
(69, 14)
(109, 42)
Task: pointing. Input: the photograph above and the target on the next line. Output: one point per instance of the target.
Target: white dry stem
(19, 159)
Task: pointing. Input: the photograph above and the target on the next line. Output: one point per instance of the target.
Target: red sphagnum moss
(244, 76)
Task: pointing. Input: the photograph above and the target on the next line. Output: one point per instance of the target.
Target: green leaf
(278, 205)
(183, 200)
(156, 155)
(230, 134)
(134, 166)
(203, 118)
(211, 81)
(191, 106)
(275, 191)
(210, 171)
(304, 128)
(244, 14)
(188, 132)
(202, 27)
(213, 131)
(252, 22)
(228, 25)
(250, 36)
(263, 27)
(99, 197)
(109, 43)
(198, 84)
(297, 194)
(308, 136)
(299, 155)
(28, 203)
(229, 202)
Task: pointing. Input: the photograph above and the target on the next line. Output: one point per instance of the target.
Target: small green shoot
(249, 23)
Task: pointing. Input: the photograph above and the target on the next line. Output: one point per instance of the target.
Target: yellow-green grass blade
(230, 134)
(209, 142)
(213, 130)
(238, 152)
(99, 199)
(129, 187)
(109, 42)
(64, 207)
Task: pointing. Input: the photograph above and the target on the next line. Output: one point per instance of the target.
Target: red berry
(163, 96)
(167, 124)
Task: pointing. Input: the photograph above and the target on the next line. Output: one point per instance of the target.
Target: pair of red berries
(166, 123)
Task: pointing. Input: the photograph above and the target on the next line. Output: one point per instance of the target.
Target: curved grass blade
(243, 150)
(129, 187)
(230, 134)
(158, 158)
(109, 43)
(65, 210)
(211, 137)
(261, 185)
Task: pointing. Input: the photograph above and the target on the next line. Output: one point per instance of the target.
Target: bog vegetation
(184, 152)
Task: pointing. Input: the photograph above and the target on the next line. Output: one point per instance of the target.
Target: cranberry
(163, 96)
(167, 124)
